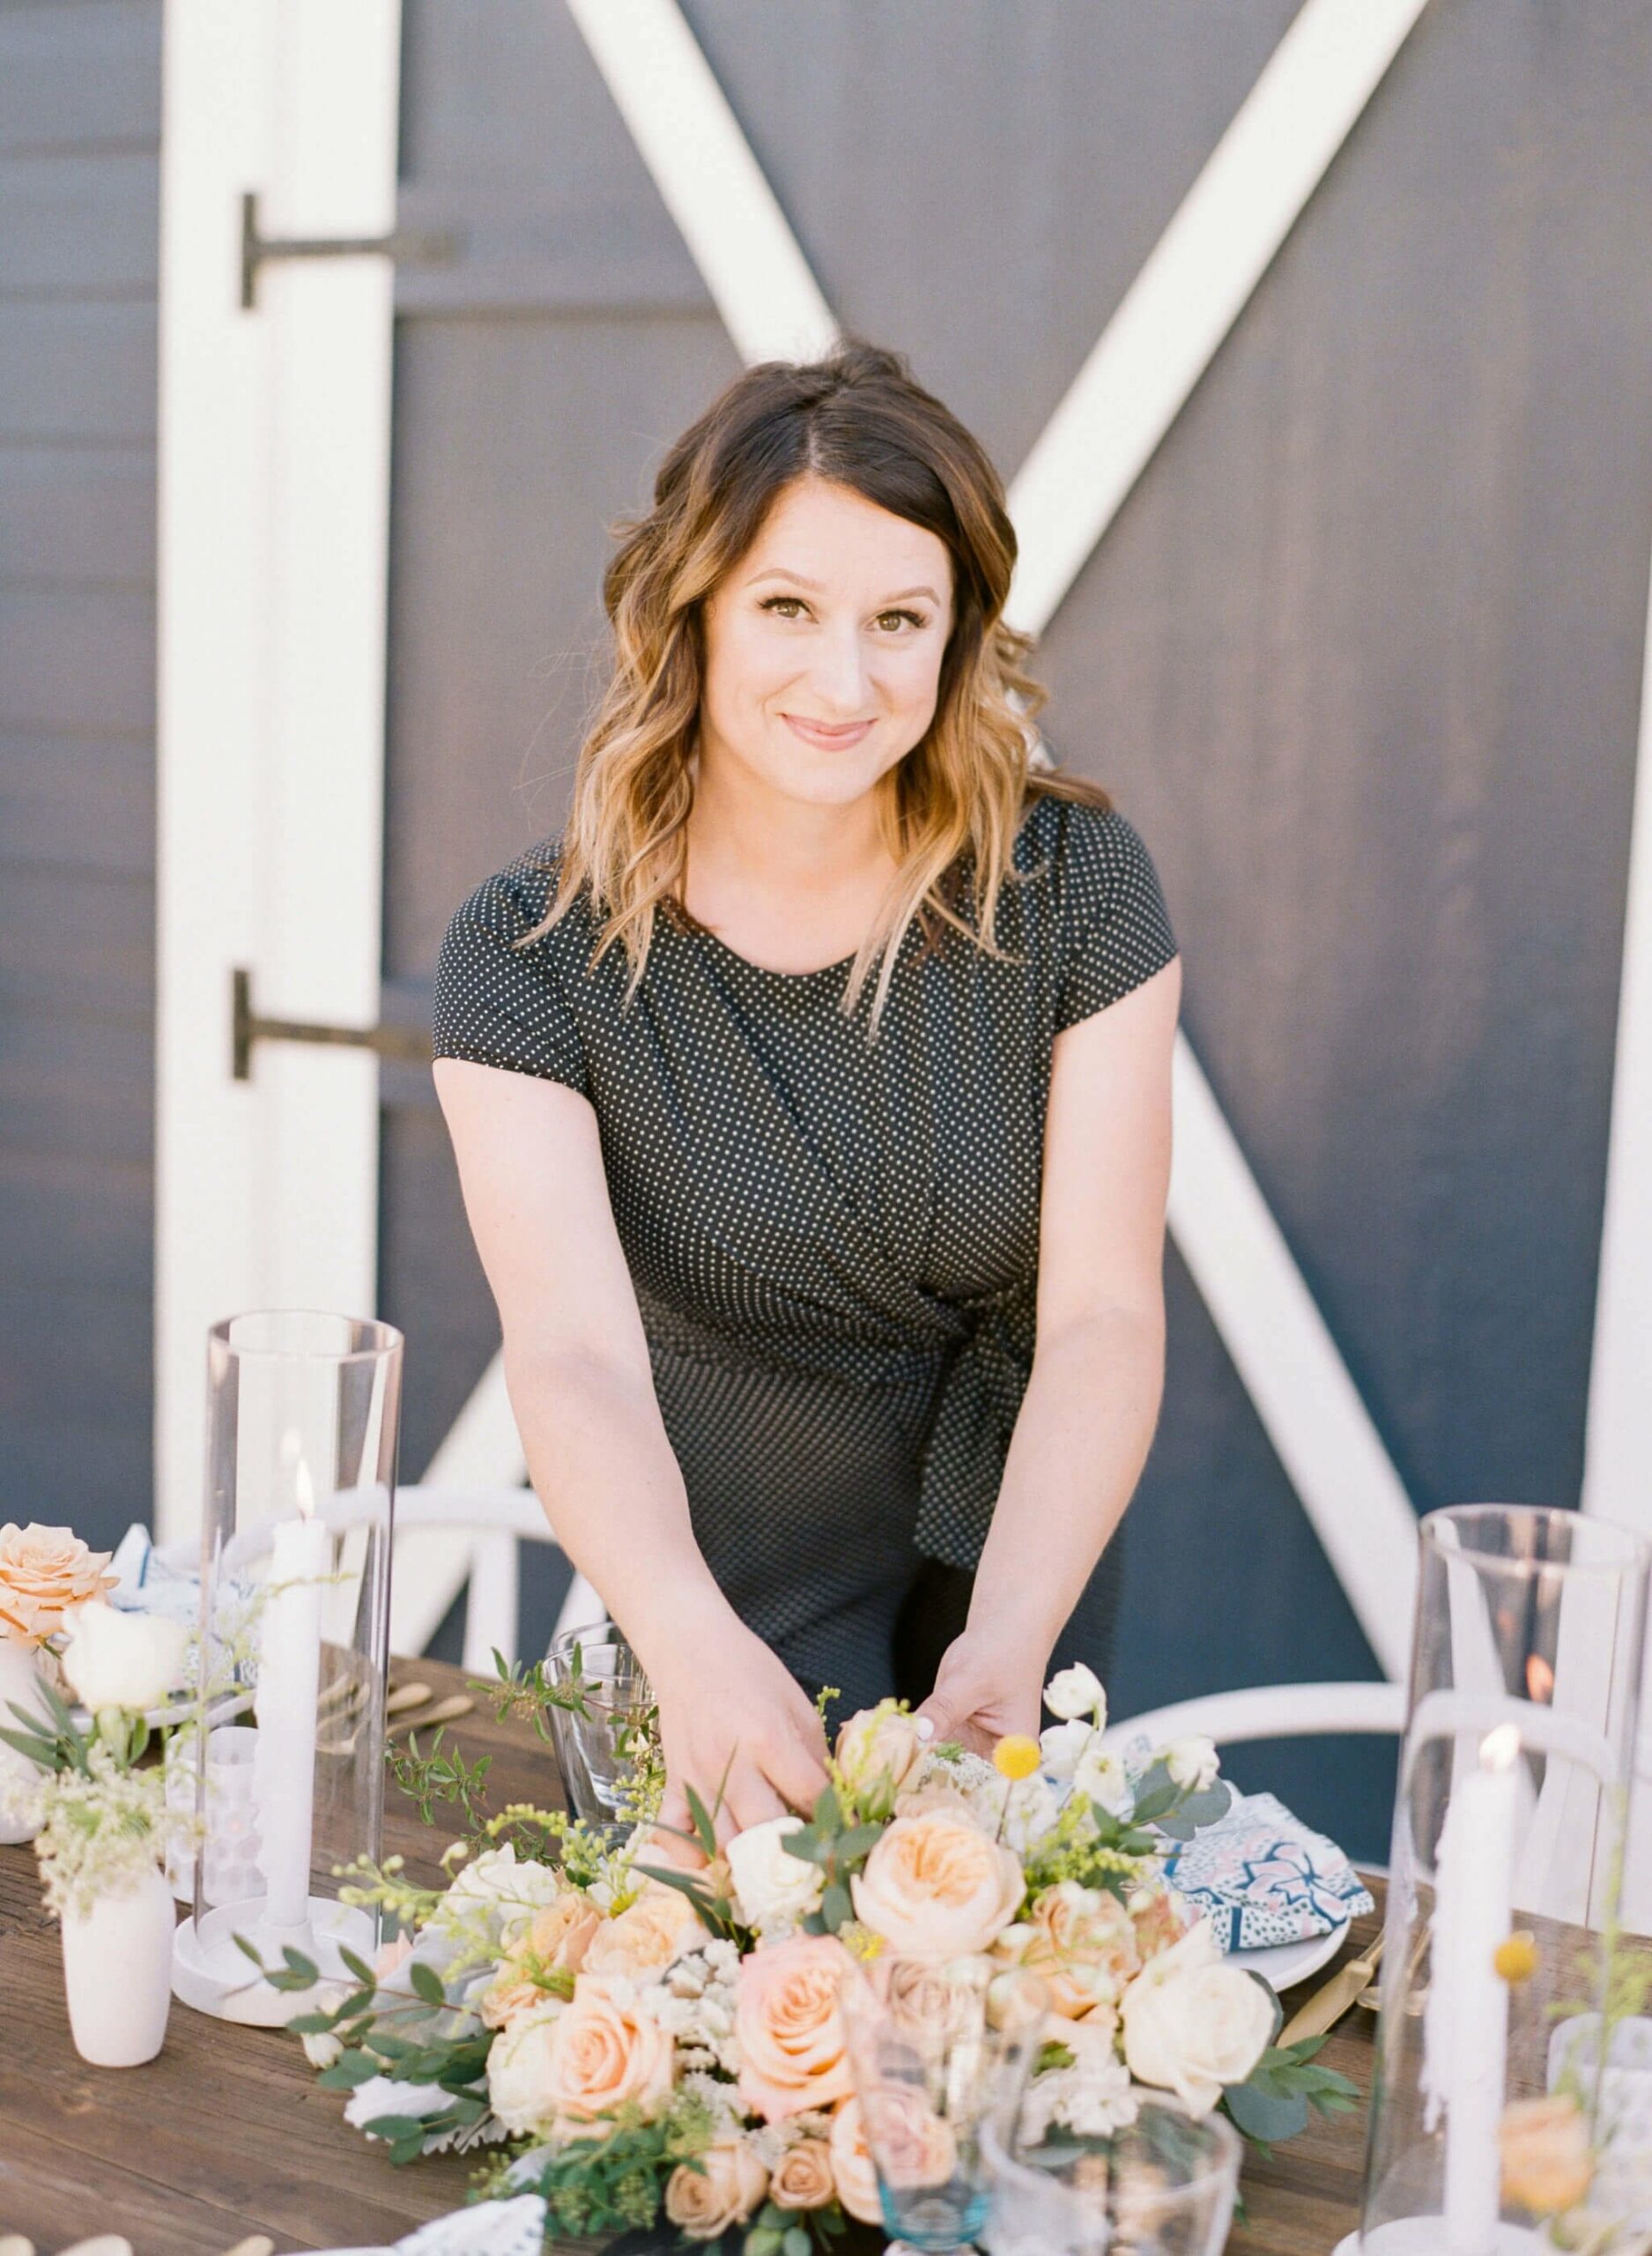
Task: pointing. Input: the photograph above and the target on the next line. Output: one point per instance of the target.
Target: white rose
(1101, 1775)
(1191, 1762)
(1191, 2024)
(1061, 1745)
(130, 1661)
(773, 1886)
(519, 2065)
(1076, 1691)
(497, 1878)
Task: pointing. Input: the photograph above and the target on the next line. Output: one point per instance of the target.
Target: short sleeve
(499, 1005)
(1116, 928)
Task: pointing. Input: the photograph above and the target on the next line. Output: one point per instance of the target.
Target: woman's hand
(728, 1702)
(986, 1687)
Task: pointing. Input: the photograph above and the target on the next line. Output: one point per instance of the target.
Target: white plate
(1284, 1964)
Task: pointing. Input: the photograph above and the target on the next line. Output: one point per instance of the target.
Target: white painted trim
(1140, 373)
(274, 502)
(1194, 284)
(711, 181)
(1310, 1406)
(1262, 1711)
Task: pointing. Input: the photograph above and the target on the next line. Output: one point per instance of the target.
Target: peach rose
(914, 2146)
(1546, 2163)
(43, 1571)
(1080, 1942)
(1160, 1916)
(934, 1887)
(877, 1751)
(648, 1935)
(557, 1939)
(792, 2052)
(726, 2188)
(603, 2053)
(802, 2178)
(852, 2171)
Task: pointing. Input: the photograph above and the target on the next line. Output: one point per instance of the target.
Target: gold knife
(1327, 2005)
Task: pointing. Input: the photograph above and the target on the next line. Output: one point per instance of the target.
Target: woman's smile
(836, 737)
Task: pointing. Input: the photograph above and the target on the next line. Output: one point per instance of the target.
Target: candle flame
(1540, 1678)
(1499, 1748)
(306, 1490)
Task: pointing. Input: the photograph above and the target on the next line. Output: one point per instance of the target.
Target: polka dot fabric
(834, 1243)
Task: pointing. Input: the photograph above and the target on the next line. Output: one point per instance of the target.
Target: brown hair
(859, 419)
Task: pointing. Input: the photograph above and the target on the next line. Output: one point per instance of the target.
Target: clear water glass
(609, 1700)
(1162, 2185)
(936, 2048)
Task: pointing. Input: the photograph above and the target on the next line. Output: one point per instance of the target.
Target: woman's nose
(838, 678)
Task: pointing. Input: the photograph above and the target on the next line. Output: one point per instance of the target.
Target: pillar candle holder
(1505, 1878)
(302, 1421)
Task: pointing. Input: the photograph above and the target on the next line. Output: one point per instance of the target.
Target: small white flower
(1076, 1691)
(1191, 1762)
(773, 1889)
(321, 2048)
(1063, 1744)
(1101, 1775)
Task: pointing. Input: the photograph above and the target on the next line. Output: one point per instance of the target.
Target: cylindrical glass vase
(1505, 1876)
(303, 1414)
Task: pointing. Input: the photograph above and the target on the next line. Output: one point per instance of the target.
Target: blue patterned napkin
(1261, 1877)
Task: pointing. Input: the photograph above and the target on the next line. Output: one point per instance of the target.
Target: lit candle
(289, 1672)
(1469, 2020)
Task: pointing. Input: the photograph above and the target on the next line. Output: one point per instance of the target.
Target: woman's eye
(915, 618)
(795, 601)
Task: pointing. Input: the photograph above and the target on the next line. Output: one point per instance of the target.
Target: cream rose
(877, 1750)
(43, 1572)
(645, 1937)
(727, 2186)
(852, 2171)
(497, 1879)
(772, 1888)
(1191, 1762)
(934, 1887)
(1191, 2024)
(802, 2177)
(518, 2070)
(557, 1939)
(1080, 1942)
(1076, 1691)
(789, 2029)
(130, 1661)
(601, 2052)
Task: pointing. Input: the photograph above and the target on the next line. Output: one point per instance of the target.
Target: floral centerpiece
(637, 2038)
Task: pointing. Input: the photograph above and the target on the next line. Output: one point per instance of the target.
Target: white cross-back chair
(496, 1521)
(1272, 1712)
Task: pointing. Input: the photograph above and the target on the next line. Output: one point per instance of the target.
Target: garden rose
(915, 2145)
(601, 2052)
(43, 1572)
(802, 2177)
(1546, 2163)
(935, 1886)
(1160, 1915)
(648, 1935)
(557, 1937)
(1076, 1691)
(1080, 1942)
(497, 1879)
(792, 2052)
(732, 2181)
(519, 2069)
(129, 1661)
(852, 2171)
(771, 1887)
(1191, 2024)
(877, 1750)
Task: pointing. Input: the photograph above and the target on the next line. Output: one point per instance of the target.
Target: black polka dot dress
(834, 1243)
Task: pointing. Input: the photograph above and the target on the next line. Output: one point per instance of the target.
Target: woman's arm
(1092, 1400)
(577, 1371)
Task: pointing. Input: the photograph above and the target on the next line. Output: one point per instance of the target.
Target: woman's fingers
(797, 1774)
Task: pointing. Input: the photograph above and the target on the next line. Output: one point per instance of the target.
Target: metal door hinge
(405, 1044)
(256, 248)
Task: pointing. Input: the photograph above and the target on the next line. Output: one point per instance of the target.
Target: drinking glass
(609, 1700)
(1162, 2185)
(937, 2047)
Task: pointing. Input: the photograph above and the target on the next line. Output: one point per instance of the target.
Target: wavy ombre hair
(858, 419)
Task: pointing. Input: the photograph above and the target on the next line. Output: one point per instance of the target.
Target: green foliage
(1273, 2102)
(774, 2231)
(427, 1779)
(521, 1689)
(52, 1742)
(615, 2179)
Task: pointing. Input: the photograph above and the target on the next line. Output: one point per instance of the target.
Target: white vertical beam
(1193, 286)
(274, 491)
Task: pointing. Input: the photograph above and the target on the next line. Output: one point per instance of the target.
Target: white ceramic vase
(19, 1677)
(117, 1971)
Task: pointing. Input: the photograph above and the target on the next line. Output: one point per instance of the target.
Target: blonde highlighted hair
(858, 419)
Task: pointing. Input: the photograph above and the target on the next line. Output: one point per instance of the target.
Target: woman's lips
(832, 740)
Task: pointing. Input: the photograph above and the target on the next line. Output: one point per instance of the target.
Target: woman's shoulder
(1088, 851)
(511, 901)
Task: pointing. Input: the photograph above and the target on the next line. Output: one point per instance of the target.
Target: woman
(811, 1104)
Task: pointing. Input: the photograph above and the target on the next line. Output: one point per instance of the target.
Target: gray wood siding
(79, 184)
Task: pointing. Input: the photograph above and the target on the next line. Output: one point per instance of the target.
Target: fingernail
(926, 1728)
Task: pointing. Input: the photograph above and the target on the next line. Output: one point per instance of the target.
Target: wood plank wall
(79, 189)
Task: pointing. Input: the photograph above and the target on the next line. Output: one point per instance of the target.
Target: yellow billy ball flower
(1016, 1756)
(1517, 1958)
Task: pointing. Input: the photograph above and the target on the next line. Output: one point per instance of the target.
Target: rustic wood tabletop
(226, 2134)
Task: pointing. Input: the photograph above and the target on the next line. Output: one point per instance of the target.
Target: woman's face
(838, 617)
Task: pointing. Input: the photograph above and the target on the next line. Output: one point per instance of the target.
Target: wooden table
(226, 2134)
